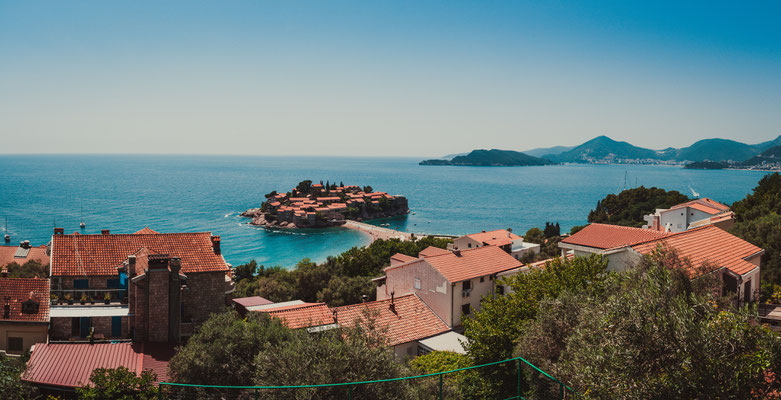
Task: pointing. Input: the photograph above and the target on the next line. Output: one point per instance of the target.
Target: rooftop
(410, 319)
(69, 365)
(708, 244)
(19, 290)
(603, 236)
(303, 315)
(467, 264)
(432, 251)
(252, 301)
(704, 204)
(12, 254)
(99, 255)
(500, 237)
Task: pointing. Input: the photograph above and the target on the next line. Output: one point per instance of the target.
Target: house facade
(681, 217)
(145, 286)
(451, 283)
(707, 249)
(25, 316)
(503, 239)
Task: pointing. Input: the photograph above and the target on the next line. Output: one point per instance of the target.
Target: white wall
(434, 290)
(479, 290)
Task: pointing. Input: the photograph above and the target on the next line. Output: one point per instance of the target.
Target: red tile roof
(20, 290)
(69, 365)
(252, 301)
(146, 231)
(302, 315)
(432, 251)
(402, 258)
(708, 244)
(99, 255)
(36, 253)
(705, 204)
(472, 263)
(602, 236)
(500, 237)
(412, 319)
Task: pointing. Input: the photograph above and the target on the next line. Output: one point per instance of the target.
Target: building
(297, 314)
(25, 316)
(246, 304)
(404, 321)
(145, 286)
(451, 283)
(22, 254)
(681, 217)
(503, 239)
(737, 262)
(59, 368)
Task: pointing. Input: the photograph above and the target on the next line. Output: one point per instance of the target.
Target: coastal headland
(322, 205)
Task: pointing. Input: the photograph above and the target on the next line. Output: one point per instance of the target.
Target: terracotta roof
(20, 290)
(252, 301)
(402, 257)
(412, 319)
(705, 209)
(302, 315)
(146, 231)
(602, 236)
(708, 244)
(70, 365)
(432, 251)
(472, 263)
(714, 206)
(8, 253)
(99, 255)
(500, 237)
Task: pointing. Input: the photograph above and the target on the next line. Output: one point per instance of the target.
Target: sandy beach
(377, 232)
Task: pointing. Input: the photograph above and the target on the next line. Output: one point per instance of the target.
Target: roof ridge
(135, 234)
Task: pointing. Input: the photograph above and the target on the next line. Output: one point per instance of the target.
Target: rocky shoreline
(258, 218)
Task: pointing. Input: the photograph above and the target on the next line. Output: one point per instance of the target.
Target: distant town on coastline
(323, 205)
(704, 154)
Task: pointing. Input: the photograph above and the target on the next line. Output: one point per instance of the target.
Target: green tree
(304, 187)
(223, 350)
(654, 333)
(30, 269)
(628, 207)
(11, 385)
(119, 384)
(346, 290)
(534, 235)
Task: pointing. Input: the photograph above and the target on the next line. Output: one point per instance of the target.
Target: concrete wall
(406, 350)
(434, 290)
(479, 290)
(464, 243)
(30, 334)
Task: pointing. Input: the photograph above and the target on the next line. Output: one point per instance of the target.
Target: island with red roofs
(322, 205)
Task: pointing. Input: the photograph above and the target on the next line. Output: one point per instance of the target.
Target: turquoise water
(124, 193)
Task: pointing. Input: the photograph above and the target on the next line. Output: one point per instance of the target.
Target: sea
(180, 193)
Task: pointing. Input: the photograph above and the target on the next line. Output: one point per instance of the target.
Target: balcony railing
(88, 296)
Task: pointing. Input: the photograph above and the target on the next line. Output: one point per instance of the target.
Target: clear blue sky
(395, 78)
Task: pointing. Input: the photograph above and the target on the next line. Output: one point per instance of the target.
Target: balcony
(88, 296)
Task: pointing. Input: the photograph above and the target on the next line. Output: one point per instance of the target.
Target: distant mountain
(491, 158)
(603, 149)
(449, 156)
(555, 150)
(760, 147)
(771, 155)
(716, 150)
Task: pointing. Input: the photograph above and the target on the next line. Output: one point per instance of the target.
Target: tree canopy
(628, 207)
(119, 384)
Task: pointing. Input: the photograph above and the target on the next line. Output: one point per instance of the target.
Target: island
(707, 165)
(325, 205)
(492, 158)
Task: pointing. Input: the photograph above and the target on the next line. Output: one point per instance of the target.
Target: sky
(383, 78)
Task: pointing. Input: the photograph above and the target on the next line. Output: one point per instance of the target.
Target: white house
(681, 217)
(504, 239)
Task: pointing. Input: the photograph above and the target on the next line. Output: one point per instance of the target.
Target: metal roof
(448, 341)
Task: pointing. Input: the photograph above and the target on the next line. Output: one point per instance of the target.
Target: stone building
(145, 286)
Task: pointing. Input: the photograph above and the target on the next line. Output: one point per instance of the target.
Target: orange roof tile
(472, 263)
(402, 257)
(708, 244)
(603, 236)
(19, 290)
(99, 255)
(301, 315)
(146, 231)
(432, 251)
(498, 237)
(714, 206)
(7, 255)
(410, 320)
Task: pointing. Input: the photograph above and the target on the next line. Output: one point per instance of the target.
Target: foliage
(30, 269)
(119, 384)
(493, 330)
(551, 230)
(653, 333)
(534, 235)
(575, 229)
(339, 280)
(628, 207)
(11, 385)
(456, 384)
(223, 350)
(338, 355)
(758, 221)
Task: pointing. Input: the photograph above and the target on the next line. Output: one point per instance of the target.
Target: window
(466, 309)
(417, 283)
(500, 290)
(15, 344)
(81, 283)
(466, 285)
(482, 279)
(112, 283)
(469, 245)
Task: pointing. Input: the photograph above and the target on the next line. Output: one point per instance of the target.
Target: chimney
(158, 261)
(216, 245)
(104, 231)
(7, 308)
(59, 231)
(364, 298)
(393, 302)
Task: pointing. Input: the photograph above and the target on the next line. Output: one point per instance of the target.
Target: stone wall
(157, 284)
(206, 295)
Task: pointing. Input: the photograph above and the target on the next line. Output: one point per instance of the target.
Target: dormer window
(30, 307)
